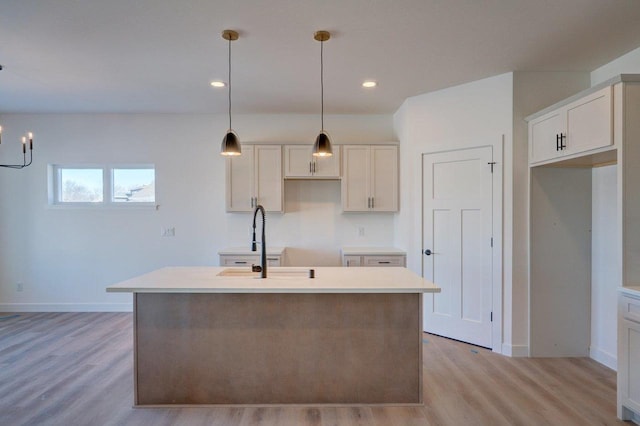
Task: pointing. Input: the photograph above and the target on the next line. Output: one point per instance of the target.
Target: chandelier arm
(24, 162)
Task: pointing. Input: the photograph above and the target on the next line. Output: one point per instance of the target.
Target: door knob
(428, 252)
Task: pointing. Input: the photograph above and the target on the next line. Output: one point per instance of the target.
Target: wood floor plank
(77, 369)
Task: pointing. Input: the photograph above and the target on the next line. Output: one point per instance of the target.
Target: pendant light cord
(230, 83)
(321, 88)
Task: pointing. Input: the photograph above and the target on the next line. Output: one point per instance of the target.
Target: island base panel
(277, 348)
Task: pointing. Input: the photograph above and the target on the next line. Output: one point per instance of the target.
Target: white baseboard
(518, 351)
(604, 358)
(66, 307)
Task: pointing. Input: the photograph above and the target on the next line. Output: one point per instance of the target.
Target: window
(81, 186)
(134, 185)
(102, 185)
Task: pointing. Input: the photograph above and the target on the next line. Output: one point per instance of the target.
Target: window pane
(134, 185)
(81, 185)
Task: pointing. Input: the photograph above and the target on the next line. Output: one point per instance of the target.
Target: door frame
(497, 231)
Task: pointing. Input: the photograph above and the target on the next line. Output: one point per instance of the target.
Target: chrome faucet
(263, 256)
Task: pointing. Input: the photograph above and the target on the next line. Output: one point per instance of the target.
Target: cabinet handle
(373, 202)
(237, 262)
(251, 202)
(310, 171)
(368, 202)
(562, 139)
(386, 262)
(557, 142)
(314, 167)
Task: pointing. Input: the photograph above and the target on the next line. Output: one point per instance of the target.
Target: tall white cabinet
(600, 126)
(370, 178)
(255, 177)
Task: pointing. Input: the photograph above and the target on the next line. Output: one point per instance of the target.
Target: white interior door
(457, 243)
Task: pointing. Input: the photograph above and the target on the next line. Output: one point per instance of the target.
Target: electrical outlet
(168, 232)
(19, 287)
(361, 231)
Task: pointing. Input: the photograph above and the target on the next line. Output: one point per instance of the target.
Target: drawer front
(239, 260)
(384, 260)
(352, 261)
(272, 261)
(630, 308)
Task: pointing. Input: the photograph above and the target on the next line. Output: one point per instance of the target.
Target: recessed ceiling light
(369, 83)
(218, 83)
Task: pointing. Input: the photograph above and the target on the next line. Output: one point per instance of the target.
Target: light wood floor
(76, 369)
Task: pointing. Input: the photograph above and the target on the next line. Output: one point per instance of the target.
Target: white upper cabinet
(301, 164)
(255, 177)
(590, 122)
(583, 125)
(370, 178)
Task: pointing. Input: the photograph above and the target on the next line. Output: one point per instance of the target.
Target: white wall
(605, 276)
(469, 115)
(66, 257)
(625, 64)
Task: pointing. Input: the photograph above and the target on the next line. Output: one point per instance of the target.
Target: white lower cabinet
(237, 260)
(629, 356)
(373, 256)
(243, 256)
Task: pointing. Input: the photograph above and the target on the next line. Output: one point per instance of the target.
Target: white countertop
(279, 280)
(372, 251)
(632, 291)
(246, 251)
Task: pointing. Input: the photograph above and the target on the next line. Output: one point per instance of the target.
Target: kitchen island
(213, 335)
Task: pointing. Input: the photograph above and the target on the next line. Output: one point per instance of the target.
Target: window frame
(54, 192)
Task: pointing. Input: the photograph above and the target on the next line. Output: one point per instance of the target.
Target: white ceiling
(160, 55)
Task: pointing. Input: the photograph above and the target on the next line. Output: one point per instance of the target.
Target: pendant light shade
(230, 142)
(322, 146)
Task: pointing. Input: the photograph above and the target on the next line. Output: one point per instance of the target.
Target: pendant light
(322, 146)
(230, 142)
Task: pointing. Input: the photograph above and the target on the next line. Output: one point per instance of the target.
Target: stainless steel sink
(273, 273)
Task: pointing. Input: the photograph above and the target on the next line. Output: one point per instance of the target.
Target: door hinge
(492, 163)
(491, 316)
(491, 241)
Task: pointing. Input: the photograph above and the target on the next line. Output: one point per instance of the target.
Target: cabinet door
(327, 167)
(590, 122)
(239, 181)
(543, 132)
(630, 365)
(355, 179)
(297, 161)
(300, 163)
(628, 355)
(384, 178)
(268, 182)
